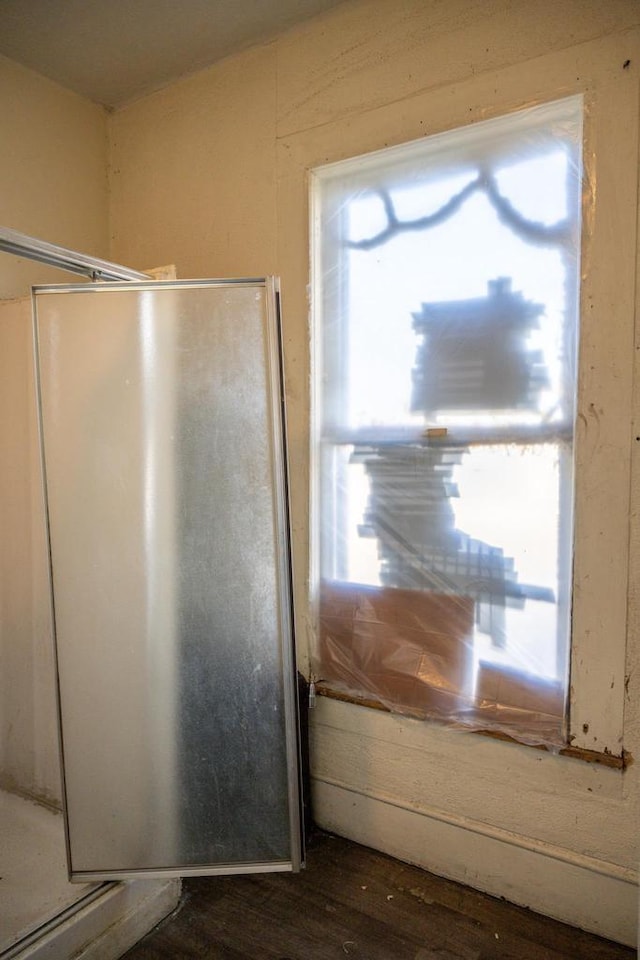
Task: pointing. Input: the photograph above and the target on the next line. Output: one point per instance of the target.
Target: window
(447, 282)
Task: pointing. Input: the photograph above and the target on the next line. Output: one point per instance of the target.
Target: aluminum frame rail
(11, 241)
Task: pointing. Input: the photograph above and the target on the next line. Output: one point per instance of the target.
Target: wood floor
(351, 902)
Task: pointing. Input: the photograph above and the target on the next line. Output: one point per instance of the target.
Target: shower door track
(30, 939)
(31, 248)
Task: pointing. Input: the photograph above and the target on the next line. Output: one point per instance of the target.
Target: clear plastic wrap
(413, 652)
(447, 275)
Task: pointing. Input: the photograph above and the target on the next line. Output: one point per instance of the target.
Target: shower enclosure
(162, 438)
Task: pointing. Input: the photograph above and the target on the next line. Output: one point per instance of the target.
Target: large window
(446, 289)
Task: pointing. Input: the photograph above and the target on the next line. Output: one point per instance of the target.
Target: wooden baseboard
(592, 895)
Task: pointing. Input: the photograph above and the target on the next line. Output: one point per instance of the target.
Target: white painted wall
(211, 174)
(54, 186)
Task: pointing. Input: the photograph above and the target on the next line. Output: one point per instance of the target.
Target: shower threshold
(43, 915)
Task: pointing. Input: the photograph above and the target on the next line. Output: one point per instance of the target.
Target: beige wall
(29, 761)
(193, 173)
(53, 173)
(210, 174)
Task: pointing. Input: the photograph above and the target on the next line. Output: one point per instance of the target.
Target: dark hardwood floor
(351, 902)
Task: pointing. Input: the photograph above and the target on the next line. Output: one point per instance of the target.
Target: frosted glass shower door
(163, 446)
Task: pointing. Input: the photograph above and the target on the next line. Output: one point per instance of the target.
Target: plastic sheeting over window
(446, 276)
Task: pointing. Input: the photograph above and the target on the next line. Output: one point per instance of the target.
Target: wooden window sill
(576, 753)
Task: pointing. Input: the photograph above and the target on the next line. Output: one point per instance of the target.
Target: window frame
(488, 147)
(604, 426)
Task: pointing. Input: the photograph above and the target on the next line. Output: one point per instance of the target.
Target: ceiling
(114, 51)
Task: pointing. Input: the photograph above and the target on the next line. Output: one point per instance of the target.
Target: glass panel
(167, 510)
(447, 275)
